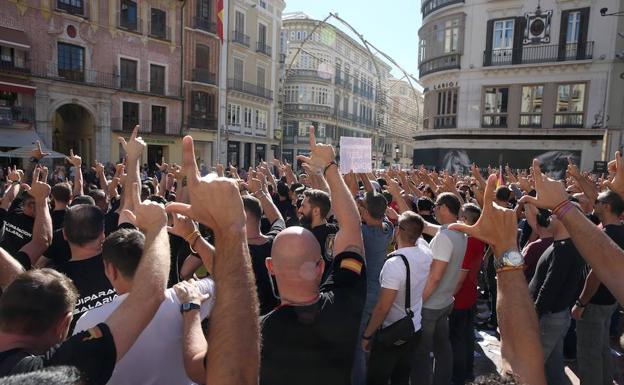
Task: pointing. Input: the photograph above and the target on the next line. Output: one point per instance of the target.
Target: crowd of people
(266, 275)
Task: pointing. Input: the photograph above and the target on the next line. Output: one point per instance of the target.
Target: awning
(14, 38)
(14, 137)
(24, 152)
(20, 86)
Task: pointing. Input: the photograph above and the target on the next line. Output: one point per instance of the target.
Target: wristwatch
(185, 307)
(510, 260)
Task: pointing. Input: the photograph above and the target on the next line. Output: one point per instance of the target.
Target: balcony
(202, 122)
(203, 75)
(16, 115)
(344, 83)
(302, 74)
(494, 121)
(445, 122)
(205, 24)
(128, 23)
(568, 120)
(147, 126)
(441, 63)
(530, 120)
(262, 47)
(309, 108)
(9, 66)
(71, 9)
(429, 6)
(539, 54)
(248, 88)
(240, 38)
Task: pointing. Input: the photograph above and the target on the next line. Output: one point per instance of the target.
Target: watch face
(513, 258)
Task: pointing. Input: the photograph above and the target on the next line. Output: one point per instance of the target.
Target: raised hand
(227, 215)
(134, 147)
(496, 226)
(549, 192)
(14, 175)
(163, 167)
(39, 189)
(98, 168)
(616, 166)
(320, 154)
(183, 226)
(573, 170)
(147, 215)
(187, 292)
(219, 170)
(37, 152)
(74, 159)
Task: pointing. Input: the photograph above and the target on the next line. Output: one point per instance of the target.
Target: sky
(390, 25)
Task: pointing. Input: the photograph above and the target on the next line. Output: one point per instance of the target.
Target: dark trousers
(392, 363)
(490, 272)
(462, 340)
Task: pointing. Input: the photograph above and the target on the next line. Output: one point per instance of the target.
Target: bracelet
(560, 205)
(510, 268)
(328, 166)
(564, 210)
(191, 245)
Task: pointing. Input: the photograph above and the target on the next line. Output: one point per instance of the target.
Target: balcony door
(573, 34)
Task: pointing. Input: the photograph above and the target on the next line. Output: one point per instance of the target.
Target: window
(303, 129)
(504, 42)
(531, 106)
(570, 105)
(441, 38)
(71, 62)
(262, 34)
(12, 58)
(158, 23)
(238, 69)
(128, 74)
(260, 75)
(234, 115)
(503, 34)
(202, 56)
(574, 27)
(261, 118)
(239, 23)
(204, 9)
(128, 15)
(446, 111)
(157, 79)
(495, 107)
(75, 7)
(247, 116)
(202, 104)
(130, 115)
(573, 43)
(159, 119)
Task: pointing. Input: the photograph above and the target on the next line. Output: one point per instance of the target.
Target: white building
(506, 81)
(403, 121)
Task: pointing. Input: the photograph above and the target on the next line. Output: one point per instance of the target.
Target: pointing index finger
(135, 132)
(312, 138)
(188, 161)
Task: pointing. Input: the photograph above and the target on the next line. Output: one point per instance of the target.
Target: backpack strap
(408, 287)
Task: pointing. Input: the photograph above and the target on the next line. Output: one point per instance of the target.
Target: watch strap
(186, 307)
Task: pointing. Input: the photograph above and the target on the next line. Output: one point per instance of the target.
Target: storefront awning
(25, 152)
(14, 38)
(19, 86)
(25, 141)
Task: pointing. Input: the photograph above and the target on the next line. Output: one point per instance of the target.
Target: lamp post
(396, 155)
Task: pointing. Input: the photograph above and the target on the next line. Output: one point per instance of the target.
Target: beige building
(403, 121)
(331, 82)
(508, 80)
(251, 115)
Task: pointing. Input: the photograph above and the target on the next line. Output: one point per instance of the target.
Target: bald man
(311, 337)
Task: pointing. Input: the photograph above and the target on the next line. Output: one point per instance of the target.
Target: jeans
(391, 362)
(360, 359)
(553, 329)
(462, 340)
(593, 352)
(437, 370)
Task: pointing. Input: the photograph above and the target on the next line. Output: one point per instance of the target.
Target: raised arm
(395, 190)
(42, 228)
(259, 190)
(11, 192)
(349, 237)
(101, 174)
(586, 186)
(134, 147)
(234, 333)
(10, 268)
(76, 161)
(516, 315)
(134, 314)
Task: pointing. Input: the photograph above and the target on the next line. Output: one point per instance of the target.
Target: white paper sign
(355, 154)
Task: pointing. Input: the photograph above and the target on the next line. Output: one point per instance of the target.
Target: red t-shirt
(466, 297)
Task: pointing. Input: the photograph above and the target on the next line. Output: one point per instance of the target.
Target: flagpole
(223, 63)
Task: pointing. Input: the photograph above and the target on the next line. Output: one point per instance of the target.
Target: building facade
(403, 121)
(201, 57)
(84, 72)
(506, 81)
(332, 83)
(252, 81)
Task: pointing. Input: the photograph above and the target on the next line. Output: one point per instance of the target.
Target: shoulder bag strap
(408, 287)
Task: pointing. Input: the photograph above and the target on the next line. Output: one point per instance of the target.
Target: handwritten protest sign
(355, 154)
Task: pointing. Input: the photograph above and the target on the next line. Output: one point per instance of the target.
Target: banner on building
(355, 154)
(220, 14)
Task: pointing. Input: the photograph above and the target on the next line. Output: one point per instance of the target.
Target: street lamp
(396, 154)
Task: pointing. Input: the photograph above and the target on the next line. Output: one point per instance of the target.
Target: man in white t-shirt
(394, 362)
(157, 355)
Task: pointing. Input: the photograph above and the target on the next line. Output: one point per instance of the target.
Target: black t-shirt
(58, 216)
(94, 289)
(59, 250)
(111, 220)
(286, 208)
(18, 229)
(325, 235)
(92, 352)
(603, 296)
(258, 254)
(315, 344)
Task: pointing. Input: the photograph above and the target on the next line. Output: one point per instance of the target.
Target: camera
(603, 11)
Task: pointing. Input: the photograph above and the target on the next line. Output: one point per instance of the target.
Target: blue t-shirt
(376, 242)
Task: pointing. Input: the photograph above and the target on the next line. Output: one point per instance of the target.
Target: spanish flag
(220, 19)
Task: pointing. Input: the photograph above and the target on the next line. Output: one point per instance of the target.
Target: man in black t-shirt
(596, 304)
(313, 216)
(61, 196)
(311, 337)
(260, 244)
(84, 231)
(19, 218)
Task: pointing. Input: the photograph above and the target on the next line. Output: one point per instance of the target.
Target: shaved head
(295, 254)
